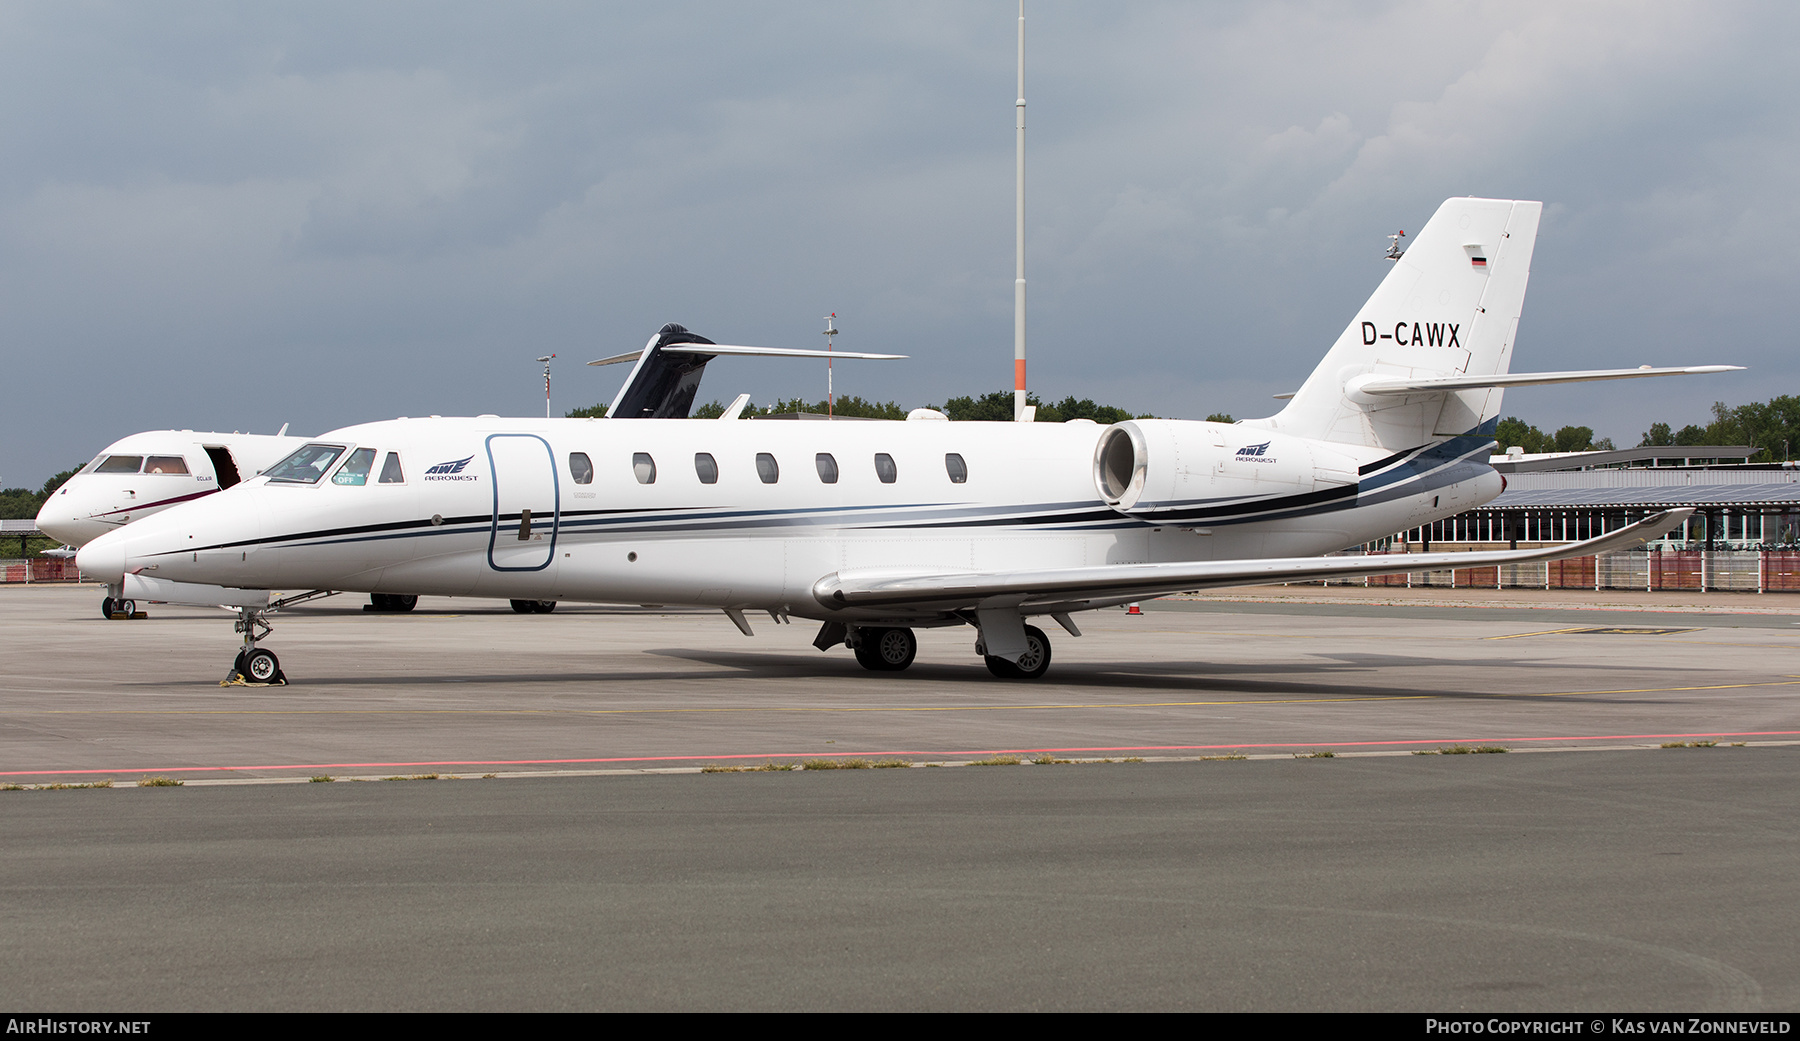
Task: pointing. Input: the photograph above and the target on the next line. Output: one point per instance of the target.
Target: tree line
(1771, 427)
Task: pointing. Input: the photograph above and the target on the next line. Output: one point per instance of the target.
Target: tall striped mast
(1019, 236)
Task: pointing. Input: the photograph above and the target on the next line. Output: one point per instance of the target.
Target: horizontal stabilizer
(762, 352)
(1048, 588)
(1375, 385)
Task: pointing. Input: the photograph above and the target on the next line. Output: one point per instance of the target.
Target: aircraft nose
(103, 559)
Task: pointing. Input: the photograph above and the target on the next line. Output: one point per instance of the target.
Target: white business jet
(146, 473)
(875, 529)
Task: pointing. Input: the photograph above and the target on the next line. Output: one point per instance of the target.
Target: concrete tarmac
(1589, 869)
(469, 687)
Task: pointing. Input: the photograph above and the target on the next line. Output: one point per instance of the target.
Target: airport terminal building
(1744, 535)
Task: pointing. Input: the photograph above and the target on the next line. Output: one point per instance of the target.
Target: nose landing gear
(254, 664)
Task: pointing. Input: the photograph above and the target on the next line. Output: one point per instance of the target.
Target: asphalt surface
(1589, 869)
(1607, 881)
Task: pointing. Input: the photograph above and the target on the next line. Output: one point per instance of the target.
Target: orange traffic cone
(1133, 609)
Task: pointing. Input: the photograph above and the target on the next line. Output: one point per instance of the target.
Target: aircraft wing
(757, 352)
(1040, 590)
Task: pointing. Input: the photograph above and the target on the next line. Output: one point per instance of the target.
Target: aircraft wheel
(886, 650)
(525, 606)
(378, 602)
(1035, 662)
(401, 603)
(261, 666)
(545, 606)
(237, 665)
(125, 607)
(895, 648)
(106, 608)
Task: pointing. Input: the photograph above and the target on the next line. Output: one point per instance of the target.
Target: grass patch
(836, 764)
(158, 782)
(321, 779)
(11, 787)
(999, 760)
(890, 764)
(1132, 759)
(1739, 744)
(489, 777)
(1690, 744)
(1462, 750)
(1326, 754)
(412, 777)
(1217, 758)
(1046, 759)
(61, 786)
(770, 767)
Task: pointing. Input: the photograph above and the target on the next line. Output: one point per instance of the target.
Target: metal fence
(39, 569)
(1746, 571)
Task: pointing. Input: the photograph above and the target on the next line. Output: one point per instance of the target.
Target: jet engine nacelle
(1149, 466)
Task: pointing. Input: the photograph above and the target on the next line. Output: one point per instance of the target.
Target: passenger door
(525, 503)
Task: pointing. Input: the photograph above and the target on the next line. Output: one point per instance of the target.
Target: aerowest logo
(1254, 454)
(451, 471)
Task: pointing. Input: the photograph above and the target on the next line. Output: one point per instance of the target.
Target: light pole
(546, 360)
(830, 331)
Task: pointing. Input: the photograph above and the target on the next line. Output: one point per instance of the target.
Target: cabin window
(706, 468)
(120, 464)
(827, 467)
(884, 468)
(766, 468)
(305, 465)
(355, 471)
(643, 467)
(165, 464)
(390, 470)
(958, 470)
(581, 468)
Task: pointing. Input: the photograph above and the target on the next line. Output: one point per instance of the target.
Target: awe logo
(450, 471)
(454, 467)
(1254, 449)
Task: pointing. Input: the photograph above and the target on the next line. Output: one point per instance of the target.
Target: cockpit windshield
(306, 465)
(120, 464)
(356, 471)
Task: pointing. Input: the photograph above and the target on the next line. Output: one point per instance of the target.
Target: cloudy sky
(228, 216)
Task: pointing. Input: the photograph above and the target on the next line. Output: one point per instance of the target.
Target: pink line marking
(915, 752)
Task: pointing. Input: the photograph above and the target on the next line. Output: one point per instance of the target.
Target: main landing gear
(893, 649)
(534, 606)
(1034, 663)
(883, 650)
(390, 602)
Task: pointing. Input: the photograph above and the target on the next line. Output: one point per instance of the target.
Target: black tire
(545, 606)
(125, 607)
(893, 648)
(401, 602)
(237, 664)
(525, 606)
(106, 608)
(1033, 665)
(379, 602)
(261, 666)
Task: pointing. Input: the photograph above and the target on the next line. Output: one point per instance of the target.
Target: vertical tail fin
(1449, 307)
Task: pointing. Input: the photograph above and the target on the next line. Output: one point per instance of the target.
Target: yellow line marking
(1546, 632)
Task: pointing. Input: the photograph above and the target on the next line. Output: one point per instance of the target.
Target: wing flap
(1039, 588)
